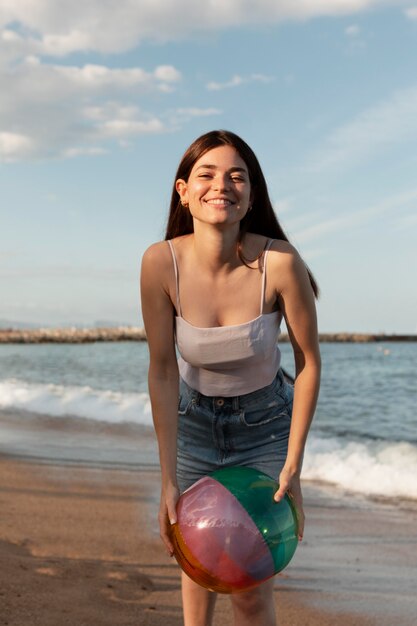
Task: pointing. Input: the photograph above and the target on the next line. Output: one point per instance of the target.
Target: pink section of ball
(221, 535)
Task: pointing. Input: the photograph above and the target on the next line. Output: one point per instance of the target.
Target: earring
(184, 204)
(250, 208)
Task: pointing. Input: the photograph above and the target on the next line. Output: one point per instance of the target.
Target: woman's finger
(283, 486)
(297, 499)
(168, 516)
(291, 485)
(164, 533)
(171, 511)
(165, 527)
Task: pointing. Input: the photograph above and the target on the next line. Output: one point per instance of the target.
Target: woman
(218, 287)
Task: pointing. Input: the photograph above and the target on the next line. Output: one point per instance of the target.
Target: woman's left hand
(290, 483)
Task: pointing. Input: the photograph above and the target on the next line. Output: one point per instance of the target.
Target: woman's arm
(297, 304)
(158, 317)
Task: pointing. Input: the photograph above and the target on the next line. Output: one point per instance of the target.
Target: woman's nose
(221, 182)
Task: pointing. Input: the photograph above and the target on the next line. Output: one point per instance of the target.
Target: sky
(99, 100)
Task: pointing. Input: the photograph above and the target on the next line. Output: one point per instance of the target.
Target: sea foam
(369, 467)
(77, 401)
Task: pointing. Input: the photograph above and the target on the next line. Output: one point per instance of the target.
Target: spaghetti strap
(174, 259)
(268, 245)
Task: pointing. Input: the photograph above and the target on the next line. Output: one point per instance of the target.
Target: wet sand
(79, 545)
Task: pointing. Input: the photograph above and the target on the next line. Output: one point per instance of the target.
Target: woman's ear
(182, 190)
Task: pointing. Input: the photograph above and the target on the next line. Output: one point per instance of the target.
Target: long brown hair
(261, 220)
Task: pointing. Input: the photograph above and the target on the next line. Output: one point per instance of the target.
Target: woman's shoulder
(155, 251)
(285, 249)
(286, 265)
(159, 255)
(284, 262)
(285, 259)
(157, 259)
(261, 242)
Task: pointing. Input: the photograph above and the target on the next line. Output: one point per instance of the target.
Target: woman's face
(218, 189)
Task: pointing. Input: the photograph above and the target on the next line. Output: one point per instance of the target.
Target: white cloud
(48, 78)
(52, 110)
(403, 201)
(128, 127)
(177, 117)
(14, 146)
(73, 152)
(389, 122)
(411, 13)
(323, 227)
(197, 112)
(352, 31)
(46, 109)
(60, 28)
(49, 110)
(237, 80)
(167, 73)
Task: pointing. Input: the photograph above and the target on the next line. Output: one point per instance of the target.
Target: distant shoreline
(131, 333)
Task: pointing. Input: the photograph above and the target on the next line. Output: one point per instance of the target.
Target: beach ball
(230, 534)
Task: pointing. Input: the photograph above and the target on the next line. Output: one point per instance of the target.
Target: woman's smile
(221, 202)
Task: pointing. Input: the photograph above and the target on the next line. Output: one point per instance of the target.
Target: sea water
(93, 399)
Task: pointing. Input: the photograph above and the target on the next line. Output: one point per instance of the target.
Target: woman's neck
(215, 248)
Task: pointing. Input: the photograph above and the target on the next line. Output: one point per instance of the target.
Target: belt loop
(235, 403)
(196, 398)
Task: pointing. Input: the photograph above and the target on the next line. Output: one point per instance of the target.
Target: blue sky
(100, 100)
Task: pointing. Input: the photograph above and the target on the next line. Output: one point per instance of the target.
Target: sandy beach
(79, 545)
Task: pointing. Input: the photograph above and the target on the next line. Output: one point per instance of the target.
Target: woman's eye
(209, 175)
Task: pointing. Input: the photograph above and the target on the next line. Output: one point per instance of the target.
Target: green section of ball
(276, 521)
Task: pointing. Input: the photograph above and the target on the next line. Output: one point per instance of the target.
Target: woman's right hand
(289, 482)
(168, 515)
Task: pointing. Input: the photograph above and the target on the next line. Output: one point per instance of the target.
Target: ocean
(89, 403)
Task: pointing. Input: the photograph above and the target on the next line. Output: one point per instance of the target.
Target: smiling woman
(218, 288)
(218, 189)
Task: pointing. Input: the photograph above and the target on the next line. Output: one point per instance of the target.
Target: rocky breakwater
(356, 338)
(72, 335)
(132, 333)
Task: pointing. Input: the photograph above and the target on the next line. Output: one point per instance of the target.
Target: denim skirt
(250, 430)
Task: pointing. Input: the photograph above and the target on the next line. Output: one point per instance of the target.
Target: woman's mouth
(220, 202)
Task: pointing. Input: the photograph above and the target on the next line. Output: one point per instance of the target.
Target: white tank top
(228, 360)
